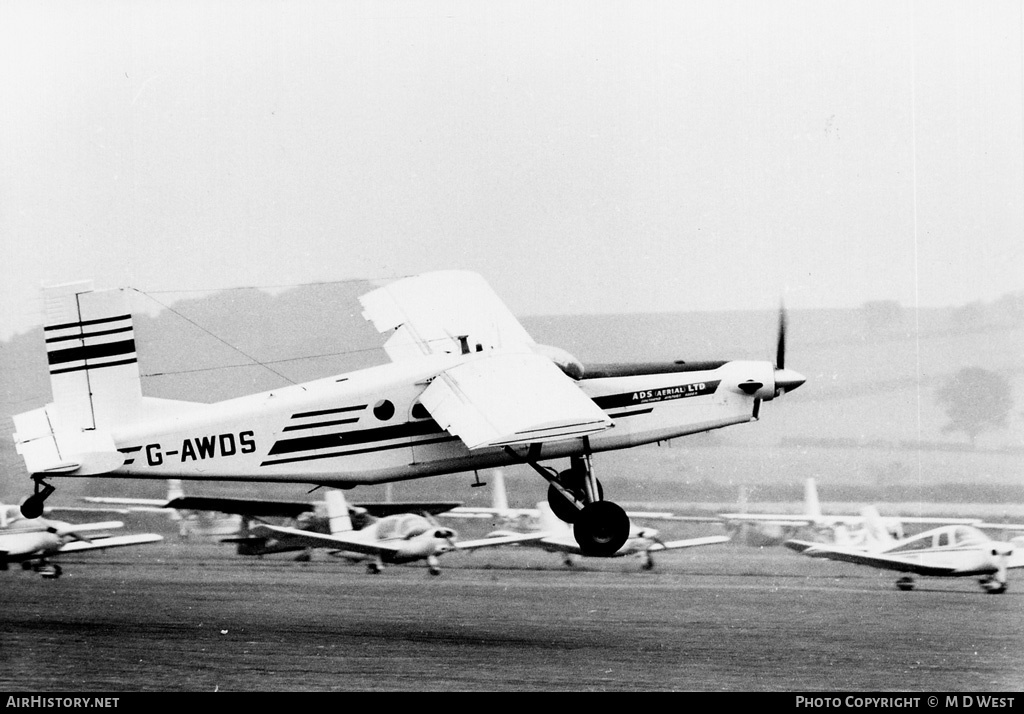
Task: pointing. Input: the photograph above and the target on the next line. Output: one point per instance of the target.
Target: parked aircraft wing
(446, 311)
(877, 560)
(77, 546)
(511, 398)
(432, 508)
(688, 543)
(509, 539)
(253, 507)
(309, 539)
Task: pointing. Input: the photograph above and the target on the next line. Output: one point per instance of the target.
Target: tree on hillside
(975, 400)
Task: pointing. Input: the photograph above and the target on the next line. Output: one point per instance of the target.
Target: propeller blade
(780, 349)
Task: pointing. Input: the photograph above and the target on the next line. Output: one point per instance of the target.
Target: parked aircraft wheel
(993, 586)
(433, 570)
(905, 583)
(25, 565)
(561, 507)
(50, 571)
(373, 569)
(601, 528)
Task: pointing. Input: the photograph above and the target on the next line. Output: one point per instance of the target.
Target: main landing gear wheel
(601, 528)
(564, 509)
(993, 586)
(906, 583)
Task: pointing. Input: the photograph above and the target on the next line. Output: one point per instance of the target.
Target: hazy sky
(584, 156)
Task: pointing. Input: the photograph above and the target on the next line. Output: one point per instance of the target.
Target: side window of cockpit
(419, 411)
(384, 410)
(943, 540)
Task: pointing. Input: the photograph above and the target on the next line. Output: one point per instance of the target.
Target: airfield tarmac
(196, 617)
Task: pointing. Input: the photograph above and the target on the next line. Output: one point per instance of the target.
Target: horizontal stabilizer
(114, 542)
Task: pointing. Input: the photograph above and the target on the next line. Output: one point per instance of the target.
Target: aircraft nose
(786, 380)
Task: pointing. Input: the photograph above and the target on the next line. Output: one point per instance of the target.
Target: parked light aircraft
(192, 522)
(397, 538)
(32, 542)
(843, 529)
(467, 389)
(555, 536)
(948, 551)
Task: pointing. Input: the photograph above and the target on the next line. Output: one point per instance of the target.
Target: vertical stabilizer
(338, 518)
(90, 348)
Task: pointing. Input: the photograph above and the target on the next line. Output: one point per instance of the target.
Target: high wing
(78, 546)
(511, 393)
(688, 543)
(309, 539)
(876, 560)
(449, 311)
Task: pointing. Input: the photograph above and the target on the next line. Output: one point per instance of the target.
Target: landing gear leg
(433, 566)
(600, 527)
(33, 505)
(993, 586)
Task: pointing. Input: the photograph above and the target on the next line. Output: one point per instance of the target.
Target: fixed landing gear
(905, 583)
(33, 505)
(648, 562)
(46, 570)
(993, 586)
(433, 566)
(374, 568)
(600, 527)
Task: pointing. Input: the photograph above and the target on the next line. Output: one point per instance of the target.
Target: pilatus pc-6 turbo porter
(467, 388)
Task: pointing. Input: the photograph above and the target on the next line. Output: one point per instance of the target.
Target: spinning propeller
(786, 380)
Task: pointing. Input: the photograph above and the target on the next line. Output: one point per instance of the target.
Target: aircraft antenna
(219, 339)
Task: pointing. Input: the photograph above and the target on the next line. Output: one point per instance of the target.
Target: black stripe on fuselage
(637, 369)
(352, 452)
(79, 368)
(83, 323)
(336, 422)
(106, 349)
(322, 412)
(362, 436)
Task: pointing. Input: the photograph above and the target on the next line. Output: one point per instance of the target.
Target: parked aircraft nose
(786, 380)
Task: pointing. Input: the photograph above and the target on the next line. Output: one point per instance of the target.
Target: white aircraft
(192, 522)
(948, 551)
(467, 389)
(32, 542)
(555, 536)
(397, 538)
(775, 528)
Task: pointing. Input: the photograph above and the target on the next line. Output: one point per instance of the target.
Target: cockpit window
(966, 535)
(413, 525)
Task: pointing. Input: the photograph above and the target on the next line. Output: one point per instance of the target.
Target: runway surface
(183, 617)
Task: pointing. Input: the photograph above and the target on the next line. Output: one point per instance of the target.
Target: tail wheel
(601, 528)
(562, 508)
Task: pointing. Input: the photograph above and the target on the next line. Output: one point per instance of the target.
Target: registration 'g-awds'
(467, 388)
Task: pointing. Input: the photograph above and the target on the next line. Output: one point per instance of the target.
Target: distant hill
(872, 372)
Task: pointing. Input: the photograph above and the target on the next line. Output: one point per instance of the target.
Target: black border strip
(632, 413)
(83, 323)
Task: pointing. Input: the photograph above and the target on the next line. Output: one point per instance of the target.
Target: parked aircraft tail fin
(812, 507)
(877, 535)
(338, 518)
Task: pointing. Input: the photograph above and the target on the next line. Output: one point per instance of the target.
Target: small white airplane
(192, 522)
(467, 389)
(949, 551)
(32, 542)
(775, 528)
(397, 538)
(555, 536)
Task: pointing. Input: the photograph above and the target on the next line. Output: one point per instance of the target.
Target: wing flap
(511, 398)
